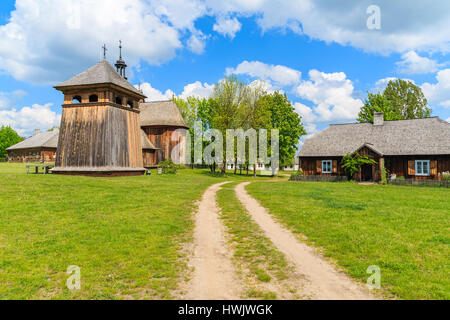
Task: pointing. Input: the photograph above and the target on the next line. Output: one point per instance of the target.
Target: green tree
(407, 99)
(377, 102)
(256, 115)
(227, 105)
(8, 138)
(352, 163)
(194, 110)
(284, 118)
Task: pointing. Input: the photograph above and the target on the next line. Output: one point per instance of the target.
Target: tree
(284, 118)
(377, 102)
(8, 138)
(227, 106)
(256, 114)
(407, 99)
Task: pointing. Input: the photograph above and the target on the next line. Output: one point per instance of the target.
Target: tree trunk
(254, 171)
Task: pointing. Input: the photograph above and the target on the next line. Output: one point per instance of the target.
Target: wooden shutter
(335, 165)
(411, 168)
(433, 168)
(319, 166)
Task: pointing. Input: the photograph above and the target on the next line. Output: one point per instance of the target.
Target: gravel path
(323, 280)
(214, 276)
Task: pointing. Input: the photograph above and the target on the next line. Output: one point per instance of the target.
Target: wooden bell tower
(100, 131)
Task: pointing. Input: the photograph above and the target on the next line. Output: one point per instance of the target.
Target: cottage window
(119, 100)
(93, 98)
(422, 167)
(327, 166)
(76, 99)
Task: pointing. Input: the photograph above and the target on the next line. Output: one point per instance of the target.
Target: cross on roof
(104, 51)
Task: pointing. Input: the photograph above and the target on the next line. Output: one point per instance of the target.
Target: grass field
(403, 230)
(127, 234)
(124, 233)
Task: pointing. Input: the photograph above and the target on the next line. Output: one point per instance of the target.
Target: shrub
(446, 176)
(298, 173)
(352, 164)
(168, 167)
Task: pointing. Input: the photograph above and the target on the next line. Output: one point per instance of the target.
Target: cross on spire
(104, 51)
(120, 64)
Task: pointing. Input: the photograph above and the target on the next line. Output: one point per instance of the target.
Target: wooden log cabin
(40, 148)
(413, 149)
(166, 129)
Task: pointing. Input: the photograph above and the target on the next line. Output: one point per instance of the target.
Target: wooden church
(103, 131)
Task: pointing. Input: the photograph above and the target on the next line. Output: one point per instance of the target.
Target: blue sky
(321, 53)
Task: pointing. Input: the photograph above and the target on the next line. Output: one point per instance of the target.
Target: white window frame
(325, 168)
(420, 163)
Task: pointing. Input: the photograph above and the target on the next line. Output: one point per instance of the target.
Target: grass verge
(403, 230)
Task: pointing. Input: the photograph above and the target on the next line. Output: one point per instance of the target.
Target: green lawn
(403, 230)
(124, 233)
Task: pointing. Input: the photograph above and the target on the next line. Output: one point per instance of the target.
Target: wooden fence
(420, 183)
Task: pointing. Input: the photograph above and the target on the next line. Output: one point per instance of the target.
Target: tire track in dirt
(324, 282)
(214, 276)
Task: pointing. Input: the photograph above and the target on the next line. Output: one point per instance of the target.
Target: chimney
(36, 132)
(378, 119)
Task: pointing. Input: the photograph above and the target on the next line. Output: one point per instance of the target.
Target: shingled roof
(146, 143)
(161, 113)
(42, 140)
(430, 136)
(101, 73)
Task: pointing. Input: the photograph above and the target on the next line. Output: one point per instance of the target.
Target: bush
(168, 167)
(446, 176)
(298, 173)
(353, 162)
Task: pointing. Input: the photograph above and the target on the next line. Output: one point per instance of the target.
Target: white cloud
(306, 112)
(281, 75)
(425, 25)
(154, 94)
(412, 63)
(439, 92)
(448, 120)
(227, 26)
(25, 120)
(381, 84)
(48, 41)
(332, 93)
(197, 43)
(264, 85)
(198, 90)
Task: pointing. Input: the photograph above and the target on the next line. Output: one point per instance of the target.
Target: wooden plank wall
(99, 136)
(149, 158)
(309, 166)
(399, 165)
(36, 155)
(166, 139)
